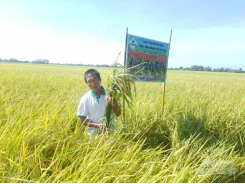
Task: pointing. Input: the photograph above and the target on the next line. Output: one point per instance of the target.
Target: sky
(204, 32)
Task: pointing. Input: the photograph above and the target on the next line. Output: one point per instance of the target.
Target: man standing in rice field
(92, 105)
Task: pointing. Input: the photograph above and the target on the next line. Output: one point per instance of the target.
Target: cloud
(101, 28)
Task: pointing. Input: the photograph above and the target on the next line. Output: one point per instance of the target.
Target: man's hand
(115, 106)
(101, 127)
(109, 100)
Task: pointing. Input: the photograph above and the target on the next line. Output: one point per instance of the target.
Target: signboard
(146, 58)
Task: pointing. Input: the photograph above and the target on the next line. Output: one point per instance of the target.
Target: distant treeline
(45, 61)
(192, 68)
(208, 68)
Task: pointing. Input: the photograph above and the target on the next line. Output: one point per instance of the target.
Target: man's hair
(92, 71)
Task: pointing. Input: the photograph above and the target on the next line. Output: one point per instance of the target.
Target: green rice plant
(120, 85)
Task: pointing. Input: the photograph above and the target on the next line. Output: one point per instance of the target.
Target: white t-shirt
(92, 107)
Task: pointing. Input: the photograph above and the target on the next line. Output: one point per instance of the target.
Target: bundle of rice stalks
(120, 85)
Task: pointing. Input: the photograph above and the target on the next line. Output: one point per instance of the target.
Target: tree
(239, 70)
(207, 68)
(13, 60)
(194, 67)
(200, 68)
(221, 69)
(227, 69)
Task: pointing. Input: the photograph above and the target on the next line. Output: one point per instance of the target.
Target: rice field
(199, 138)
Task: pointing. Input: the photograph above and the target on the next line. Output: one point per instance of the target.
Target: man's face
(93, 82)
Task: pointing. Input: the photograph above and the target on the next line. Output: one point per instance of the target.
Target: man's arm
(87, 122)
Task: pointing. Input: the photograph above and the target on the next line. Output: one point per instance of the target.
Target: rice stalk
(120, 85)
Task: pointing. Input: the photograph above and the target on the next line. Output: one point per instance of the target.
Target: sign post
(164, 87)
